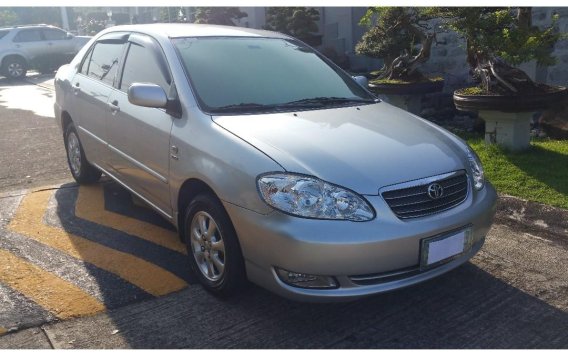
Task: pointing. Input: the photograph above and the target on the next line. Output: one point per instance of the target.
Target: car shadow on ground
(466, 308)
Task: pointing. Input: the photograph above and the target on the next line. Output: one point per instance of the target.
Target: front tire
(14, 67)
(212, 246)
(83, 172)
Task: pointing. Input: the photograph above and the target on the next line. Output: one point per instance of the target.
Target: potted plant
(402, 37)
(496, 40)
(299, 22)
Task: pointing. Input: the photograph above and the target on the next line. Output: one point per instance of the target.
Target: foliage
(528, 174)
(8, 18)
(385, 38)
(503, 32)
(392, 35)
(218, 15)
(172, 14)
(39, 15)
(299, 22)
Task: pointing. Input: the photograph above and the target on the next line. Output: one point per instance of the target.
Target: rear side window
(4, 33)
(28, 36)
(104, 61)
(54, 35)
(141, 66)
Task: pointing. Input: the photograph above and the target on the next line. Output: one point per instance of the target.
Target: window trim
(39, 30)
(45, 30)
(113, 37)
(152, 45)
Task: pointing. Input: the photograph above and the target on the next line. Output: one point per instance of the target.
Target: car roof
(21, 27)
(195, 30)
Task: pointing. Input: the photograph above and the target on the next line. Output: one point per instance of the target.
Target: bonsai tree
(218, 15)
(300, 22)
(496, 40)
(393, 35)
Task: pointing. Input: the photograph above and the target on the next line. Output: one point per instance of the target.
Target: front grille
(411, 199)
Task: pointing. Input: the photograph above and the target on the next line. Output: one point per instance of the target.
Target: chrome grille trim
(410, 199)
(378, 278)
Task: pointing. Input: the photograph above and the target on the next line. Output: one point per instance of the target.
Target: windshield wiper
(322, 101)
(243, 107)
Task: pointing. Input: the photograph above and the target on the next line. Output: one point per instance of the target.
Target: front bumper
(344, 249)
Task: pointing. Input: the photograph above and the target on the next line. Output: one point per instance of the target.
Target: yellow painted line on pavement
(54, 294)
(149, 277)
(3, 331)
(91, 207)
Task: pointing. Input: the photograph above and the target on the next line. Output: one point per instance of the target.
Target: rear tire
(14, 67)
(212, 247)
(83, 172)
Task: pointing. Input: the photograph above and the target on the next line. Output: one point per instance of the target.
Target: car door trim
(139, 164)
(92, 135)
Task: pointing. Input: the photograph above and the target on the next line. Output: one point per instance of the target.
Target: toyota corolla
(274, 164)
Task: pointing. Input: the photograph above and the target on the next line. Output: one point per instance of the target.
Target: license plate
(437, 250)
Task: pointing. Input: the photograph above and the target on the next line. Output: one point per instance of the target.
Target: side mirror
(147, 95)
(362, 81)
(69, 36)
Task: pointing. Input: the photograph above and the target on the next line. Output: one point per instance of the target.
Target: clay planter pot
(407, 88)
(507, 117)
(510, 103)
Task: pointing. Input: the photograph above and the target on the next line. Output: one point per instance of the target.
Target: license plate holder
(443, 248)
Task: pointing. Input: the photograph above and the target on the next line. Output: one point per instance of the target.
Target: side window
(141, 66)
(104, 61)
(85, 65)
(28, 36)
(4, 33)
(54, 35)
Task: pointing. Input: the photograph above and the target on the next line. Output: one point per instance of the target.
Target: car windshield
(258, 74)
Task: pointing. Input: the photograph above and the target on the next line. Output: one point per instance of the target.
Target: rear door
(139, 137)
(91, 88)
(30, 42)
(60, 48)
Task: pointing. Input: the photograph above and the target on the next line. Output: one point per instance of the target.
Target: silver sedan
(274, 164)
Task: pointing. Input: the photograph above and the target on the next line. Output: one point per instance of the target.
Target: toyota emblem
(435, 191)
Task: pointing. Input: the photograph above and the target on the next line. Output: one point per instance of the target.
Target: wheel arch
(65, 121)
(187, 192)
(16, 55)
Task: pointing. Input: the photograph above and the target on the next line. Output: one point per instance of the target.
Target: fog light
(309, 281)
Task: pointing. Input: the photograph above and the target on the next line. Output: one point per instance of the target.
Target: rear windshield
(246, 71)
(4, 33)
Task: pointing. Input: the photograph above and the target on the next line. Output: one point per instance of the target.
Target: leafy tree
(392, 35)
(8, 18)
(172, 14)
(218, 15)
(300, 22)
(497, 38)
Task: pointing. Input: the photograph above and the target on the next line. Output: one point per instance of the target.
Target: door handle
(18, 46)
(114, 108)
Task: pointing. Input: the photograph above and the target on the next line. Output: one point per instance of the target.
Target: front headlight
(309, 197)
(476, 169)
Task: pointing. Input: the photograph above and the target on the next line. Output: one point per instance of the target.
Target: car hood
(362, 148)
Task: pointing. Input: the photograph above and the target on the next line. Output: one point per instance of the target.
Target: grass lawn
(539, 174)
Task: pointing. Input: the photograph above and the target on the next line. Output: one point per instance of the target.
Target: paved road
(32, 152)
(90, 268)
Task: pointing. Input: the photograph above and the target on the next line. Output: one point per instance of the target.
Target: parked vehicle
(39, 47)
(273, 163)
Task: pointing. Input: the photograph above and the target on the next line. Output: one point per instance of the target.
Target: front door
(139, 137)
